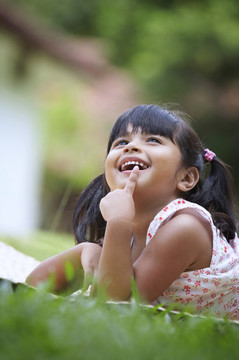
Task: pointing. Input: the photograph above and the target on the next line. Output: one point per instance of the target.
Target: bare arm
(115, 267)
(83, 260)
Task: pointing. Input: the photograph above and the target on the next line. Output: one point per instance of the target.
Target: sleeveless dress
(213, 290)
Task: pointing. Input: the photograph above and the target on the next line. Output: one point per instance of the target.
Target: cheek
(109, 172)
(108, 178)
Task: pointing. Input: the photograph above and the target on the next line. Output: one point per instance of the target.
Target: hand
(119, 203)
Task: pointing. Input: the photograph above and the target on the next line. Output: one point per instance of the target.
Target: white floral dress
(213, 290)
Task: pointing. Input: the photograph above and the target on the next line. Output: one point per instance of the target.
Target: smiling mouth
(129, 165)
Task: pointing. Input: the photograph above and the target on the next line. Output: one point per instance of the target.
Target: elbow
(114, 291)
(48, 280)
(34, 279)
(31, 279)
(118, 296)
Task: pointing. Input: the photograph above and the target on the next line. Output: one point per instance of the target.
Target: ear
(188, 179)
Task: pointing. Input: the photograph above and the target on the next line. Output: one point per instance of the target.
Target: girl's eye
(120, 142)
(154, 140)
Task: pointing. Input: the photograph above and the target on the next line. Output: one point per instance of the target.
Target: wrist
(118, 229)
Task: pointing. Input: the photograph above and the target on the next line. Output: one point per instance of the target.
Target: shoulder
(186, 234)
(190, 220)
(185, 223)
(176, 207)
(184, 243)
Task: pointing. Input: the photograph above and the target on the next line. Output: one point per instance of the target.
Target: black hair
(213, 191)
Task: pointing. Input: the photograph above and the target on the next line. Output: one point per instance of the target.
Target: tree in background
(183, 52)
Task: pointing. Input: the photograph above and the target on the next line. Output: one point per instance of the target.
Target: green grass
(36, 325)
(41, 245)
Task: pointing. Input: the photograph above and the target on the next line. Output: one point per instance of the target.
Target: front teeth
(133, 163)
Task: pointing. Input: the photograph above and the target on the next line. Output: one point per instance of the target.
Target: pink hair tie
(209, 155)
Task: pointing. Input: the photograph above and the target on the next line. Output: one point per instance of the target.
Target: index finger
(132, 180)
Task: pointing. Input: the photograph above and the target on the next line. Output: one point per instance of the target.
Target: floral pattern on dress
(213, 290)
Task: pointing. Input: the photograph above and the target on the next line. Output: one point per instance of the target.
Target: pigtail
(88, 223)
(217, 195)
(214, 188)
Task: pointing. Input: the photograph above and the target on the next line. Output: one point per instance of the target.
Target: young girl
(155, 216)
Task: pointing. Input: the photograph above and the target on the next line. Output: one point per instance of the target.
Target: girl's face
(159, 161)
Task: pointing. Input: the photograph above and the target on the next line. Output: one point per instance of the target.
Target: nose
(132, 147)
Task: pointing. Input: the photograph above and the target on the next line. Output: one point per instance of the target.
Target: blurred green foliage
(74, 156)
(183, 52)
(35, 325)
(40, 245)
(167, 45)
(38, 325)
(179, 51)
